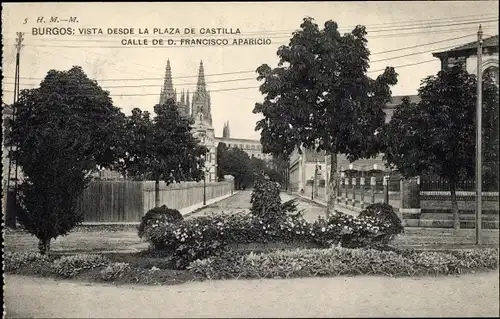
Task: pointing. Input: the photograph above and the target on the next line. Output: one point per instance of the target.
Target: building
(467, 55)
(199, 108)
(303, 166)
(199, 111)
(252, 147)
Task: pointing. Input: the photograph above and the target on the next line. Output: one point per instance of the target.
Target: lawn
(118, 243)
(84, 239)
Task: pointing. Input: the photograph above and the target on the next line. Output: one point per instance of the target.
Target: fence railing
(128, 201)
(359, 192)
(436, 183)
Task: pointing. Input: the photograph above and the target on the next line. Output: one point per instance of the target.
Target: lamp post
(206, 170)
(478, 136)
(204, 191)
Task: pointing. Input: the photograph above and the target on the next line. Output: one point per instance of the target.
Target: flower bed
(204, 236)
(270, 221)
(342, 261)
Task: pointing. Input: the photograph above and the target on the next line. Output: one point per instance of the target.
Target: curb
(209, 202)
(308, 200)
(338, 208)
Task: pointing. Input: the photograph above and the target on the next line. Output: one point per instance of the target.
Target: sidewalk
(193, 209)
(318, 201)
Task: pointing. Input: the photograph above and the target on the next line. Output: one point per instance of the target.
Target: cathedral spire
(168, 86)
(201, 85)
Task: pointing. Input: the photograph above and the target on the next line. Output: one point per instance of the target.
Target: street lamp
(478, 136)
(314, 185)
(206, 170)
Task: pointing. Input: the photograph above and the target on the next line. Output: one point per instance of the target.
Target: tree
(320, 93)
(437, 135)
(63, 130)
(162, 148)
(234, 161)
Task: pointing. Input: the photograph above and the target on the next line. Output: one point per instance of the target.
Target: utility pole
(12, 209)
(478, 135)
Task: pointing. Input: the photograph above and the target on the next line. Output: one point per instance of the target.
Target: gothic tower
(168, 92)
(201, 108)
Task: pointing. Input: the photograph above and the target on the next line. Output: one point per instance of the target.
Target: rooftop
(491, 42)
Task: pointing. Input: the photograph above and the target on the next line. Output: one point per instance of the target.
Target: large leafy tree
(320, 96)
(63, 131)
(437, 135)
(162, 148)
(234, 161)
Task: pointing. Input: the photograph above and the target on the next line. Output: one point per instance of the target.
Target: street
(360, 296)
(241, 202)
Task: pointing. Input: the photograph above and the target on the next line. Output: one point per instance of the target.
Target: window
(492, 73)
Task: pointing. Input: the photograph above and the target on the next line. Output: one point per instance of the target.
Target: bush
(114, 271)
(158, 216)
(265, 199)
(349, 231)
(15, 260)
(342, 261)
(384, 212)
(70, 266)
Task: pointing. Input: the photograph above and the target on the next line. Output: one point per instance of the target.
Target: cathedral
(198, 107)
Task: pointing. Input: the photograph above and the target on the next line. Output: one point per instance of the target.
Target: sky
(133, 74)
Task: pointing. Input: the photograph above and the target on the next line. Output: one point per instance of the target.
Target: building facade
(252, 147)
(467, 55)
(303, 167)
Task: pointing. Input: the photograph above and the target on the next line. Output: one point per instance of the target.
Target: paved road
(468, 295)
(241, 202)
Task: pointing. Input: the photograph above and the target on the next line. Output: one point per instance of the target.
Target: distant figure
(302, 191)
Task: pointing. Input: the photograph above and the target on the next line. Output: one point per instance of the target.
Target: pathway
(453, 296)
(241, 202)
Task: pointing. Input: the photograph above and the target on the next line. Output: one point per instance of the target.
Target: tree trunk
(157, 191)
(454, 205)
(332, 183)
(44, 246)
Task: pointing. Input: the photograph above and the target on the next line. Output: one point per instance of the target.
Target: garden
(272, 241)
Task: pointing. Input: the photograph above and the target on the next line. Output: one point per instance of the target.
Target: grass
(84, 239)
(119, 243)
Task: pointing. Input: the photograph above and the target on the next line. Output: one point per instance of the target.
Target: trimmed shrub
(385, 213)
(158, 216)
(265, 199)
(70, 266)
(342, 261)
(114, 271)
